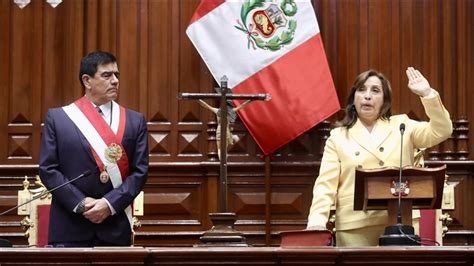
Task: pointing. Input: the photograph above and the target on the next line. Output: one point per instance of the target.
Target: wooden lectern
(380, 189)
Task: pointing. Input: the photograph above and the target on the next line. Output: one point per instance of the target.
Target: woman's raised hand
(417, 82)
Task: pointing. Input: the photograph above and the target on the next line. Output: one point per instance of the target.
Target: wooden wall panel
(158, 61)
(5, 24)
(466, 79)
(191, 117)
(128, 44)
(40, 49)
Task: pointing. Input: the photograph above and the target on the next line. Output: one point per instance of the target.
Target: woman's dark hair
(351, 114)
(90, 62)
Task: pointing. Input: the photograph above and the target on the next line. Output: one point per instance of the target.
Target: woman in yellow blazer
(369, 137)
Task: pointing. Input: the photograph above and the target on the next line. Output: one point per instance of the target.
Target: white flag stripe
(226, 48)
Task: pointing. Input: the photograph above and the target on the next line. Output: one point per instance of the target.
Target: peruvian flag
(274, 47)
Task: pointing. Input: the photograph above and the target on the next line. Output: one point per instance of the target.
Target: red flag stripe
(298, 77)
(303, 95)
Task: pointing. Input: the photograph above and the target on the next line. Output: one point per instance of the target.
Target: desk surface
(239, 255)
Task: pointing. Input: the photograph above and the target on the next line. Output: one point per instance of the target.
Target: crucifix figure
(231, 116)
(222, 232)
(225, 114)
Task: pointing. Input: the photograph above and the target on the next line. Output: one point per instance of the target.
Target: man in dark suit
(94, 133)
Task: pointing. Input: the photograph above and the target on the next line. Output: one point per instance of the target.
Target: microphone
(399, 215)
(46, 192)
(5, 242)
(399, 234)
(402, 128)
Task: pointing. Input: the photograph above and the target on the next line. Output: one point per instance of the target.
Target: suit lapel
(82, 140)
(371, 141)
(381, 133)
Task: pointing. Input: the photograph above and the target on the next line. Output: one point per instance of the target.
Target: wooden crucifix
(222, 233)
(224, 94)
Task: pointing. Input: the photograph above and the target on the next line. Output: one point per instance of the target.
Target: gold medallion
(104, 177)
(113, 153)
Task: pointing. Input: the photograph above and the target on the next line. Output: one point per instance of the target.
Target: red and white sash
(101, 136)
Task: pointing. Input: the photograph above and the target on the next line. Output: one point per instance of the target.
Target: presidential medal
(104, 177)
(113, 153)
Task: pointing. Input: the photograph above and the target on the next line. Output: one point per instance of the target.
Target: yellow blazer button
(381, 149)
(357, 153)
(381, 163)
(359, 166)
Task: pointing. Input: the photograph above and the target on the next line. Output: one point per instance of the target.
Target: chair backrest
(137, 210)
(36, 220)
(431, 221)
(430, 227)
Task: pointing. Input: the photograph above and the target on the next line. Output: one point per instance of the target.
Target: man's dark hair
(90, 62)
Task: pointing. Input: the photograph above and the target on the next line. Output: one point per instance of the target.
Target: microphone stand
(5, 242)
(399, 234)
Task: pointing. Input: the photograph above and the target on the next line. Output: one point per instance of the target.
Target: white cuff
(112, 210)
(77, 206)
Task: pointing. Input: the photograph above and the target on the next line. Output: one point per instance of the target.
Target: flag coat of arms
(268, 46)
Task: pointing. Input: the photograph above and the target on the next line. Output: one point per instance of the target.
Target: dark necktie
(99, 110)
(103, 115)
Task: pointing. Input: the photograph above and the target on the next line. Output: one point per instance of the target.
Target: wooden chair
(433, 223)
(36, 220)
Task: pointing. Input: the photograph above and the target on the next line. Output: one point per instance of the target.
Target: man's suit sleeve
(123, 195)
(49, 169)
